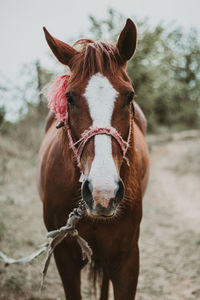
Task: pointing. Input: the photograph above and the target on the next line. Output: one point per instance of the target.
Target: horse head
(99, 94)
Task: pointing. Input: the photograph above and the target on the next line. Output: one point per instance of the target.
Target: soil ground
(169, 242)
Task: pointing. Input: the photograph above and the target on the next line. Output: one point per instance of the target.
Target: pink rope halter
(57, 102)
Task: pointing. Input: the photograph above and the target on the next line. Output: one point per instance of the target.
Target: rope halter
(57, 102)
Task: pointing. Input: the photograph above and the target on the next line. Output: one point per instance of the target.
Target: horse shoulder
(43, 156)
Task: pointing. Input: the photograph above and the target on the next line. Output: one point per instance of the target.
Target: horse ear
(61, 50)
(127, 41)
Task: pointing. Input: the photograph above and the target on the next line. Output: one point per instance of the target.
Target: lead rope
(56, 236)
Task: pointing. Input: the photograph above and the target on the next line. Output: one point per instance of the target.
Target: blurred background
(166, 75)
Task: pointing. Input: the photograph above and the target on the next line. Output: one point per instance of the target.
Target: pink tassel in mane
(55, 94)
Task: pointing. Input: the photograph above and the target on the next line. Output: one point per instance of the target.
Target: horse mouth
(100, 216)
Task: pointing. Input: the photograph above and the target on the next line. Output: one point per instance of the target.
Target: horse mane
(94, 57)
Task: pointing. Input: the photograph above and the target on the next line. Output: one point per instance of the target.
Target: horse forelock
(94, 57)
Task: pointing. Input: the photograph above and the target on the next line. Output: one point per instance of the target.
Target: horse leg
(104, 287)
(69, 269)
(125, 276)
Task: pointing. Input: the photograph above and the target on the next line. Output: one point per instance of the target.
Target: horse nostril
(113, 201)
(86, 191)
(120, 193)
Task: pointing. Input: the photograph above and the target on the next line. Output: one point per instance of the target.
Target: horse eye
(70, 99)
(130, 97)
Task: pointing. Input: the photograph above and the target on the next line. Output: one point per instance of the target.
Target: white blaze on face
(101, 97)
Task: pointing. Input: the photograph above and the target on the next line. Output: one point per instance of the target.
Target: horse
(99, 157)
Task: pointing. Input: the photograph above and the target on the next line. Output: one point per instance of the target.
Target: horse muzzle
(102, 203)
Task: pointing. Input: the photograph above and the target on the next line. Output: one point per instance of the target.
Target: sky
(21, 22)
(21, 36)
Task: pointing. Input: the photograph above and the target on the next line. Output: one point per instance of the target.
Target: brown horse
(114, 163)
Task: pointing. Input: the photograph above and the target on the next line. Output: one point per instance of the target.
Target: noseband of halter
(57, 102)
(78, 146)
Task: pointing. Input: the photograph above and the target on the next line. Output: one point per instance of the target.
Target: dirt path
(169, 243)
(170, 240)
